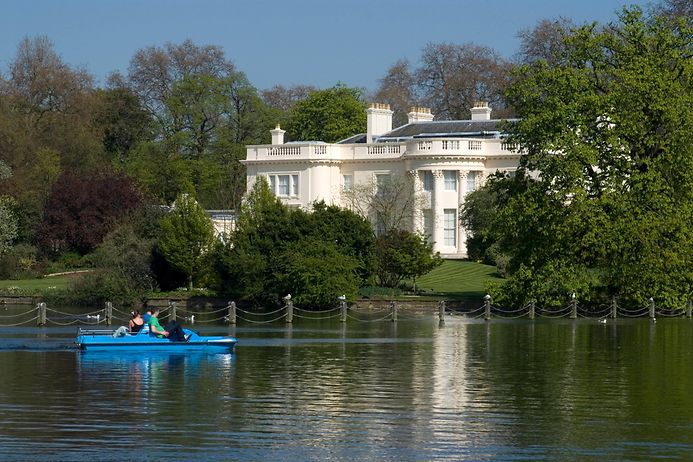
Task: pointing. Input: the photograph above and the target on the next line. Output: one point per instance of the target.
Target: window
(450, 180)
(428, 180)
(347, 182)
(450, 227)
(283, 185)
(381, 183)
(451, 144)
(474, 145)
(471, 181)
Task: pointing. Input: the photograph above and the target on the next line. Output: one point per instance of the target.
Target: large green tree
(328, 115)
(602, 204)
(404, 255)
(187, 238)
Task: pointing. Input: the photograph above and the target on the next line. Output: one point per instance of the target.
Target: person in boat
(136, 322)
(147, 314)
(173, 331)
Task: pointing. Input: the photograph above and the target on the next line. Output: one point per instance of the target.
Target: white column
(461, 193)
(437, 209)
(417, 212)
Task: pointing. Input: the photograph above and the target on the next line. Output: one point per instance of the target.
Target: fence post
(532, 309)
(487, 307)
(689, 307)
(652, 308)
(172, 314)
(614, 308)
(393, 311)
(41, 320)
(343, 311)
(441, 311)
(289, 311)
(573, 306)
(232, 313)
(109, 313)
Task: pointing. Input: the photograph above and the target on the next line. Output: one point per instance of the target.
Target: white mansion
(446, 159)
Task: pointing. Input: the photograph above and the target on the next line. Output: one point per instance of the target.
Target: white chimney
(481, 111)
(378, 121)
(277, 135)
(419, 114)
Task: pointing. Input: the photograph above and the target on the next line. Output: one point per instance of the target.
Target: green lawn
(30, 285)
(458, 279)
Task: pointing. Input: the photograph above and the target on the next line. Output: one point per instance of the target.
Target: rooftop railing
(444, 146)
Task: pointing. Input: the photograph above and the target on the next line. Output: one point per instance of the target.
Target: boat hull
(105, 341)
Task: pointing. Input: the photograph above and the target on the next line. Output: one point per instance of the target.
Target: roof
(360, 138)
(443, 128)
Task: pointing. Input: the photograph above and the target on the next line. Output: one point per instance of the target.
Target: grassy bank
(36, 285)
(454, 279)
(458, 279)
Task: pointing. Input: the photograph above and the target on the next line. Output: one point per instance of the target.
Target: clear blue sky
(317, 42)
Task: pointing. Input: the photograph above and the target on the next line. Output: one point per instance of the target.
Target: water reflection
(414, 390)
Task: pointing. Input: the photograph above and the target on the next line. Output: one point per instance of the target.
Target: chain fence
(393, 311)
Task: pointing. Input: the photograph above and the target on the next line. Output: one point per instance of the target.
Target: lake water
(545, 390)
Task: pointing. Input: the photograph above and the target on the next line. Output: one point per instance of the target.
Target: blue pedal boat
(111, 340)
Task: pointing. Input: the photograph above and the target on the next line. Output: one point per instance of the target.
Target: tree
(675, 10)
(452, 78)
(41, 81)
(389, 202)
(205, 113)
(247, 262)
(328, 115)
(398, 89)
(123, 267)
(283, 99)
(317, 271)
(404, 255)
(82, 209)
(315, 255)
(154, 71)
(546, 41)
(351, 233)
(187, 237)
(608, 127)
(123, 122)
(477, 215)
(8, 220)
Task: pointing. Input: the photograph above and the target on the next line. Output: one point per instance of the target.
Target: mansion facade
(446, 159)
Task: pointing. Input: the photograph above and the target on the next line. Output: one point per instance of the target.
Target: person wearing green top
(173, 330)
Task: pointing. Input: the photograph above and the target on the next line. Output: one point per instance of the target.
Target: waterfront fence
(393, 311)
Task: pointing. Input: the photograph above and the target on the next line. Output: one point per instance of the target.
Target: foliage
(273, 251)
(351, 233)
(123, 122)
(316, 271)
(246, 262)
(328, 115)
(8, 219)
(187, 237)
(123, 272)
(81, 209)
(403, 255)
(19, 262)
(477, 215)
(608, 126)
